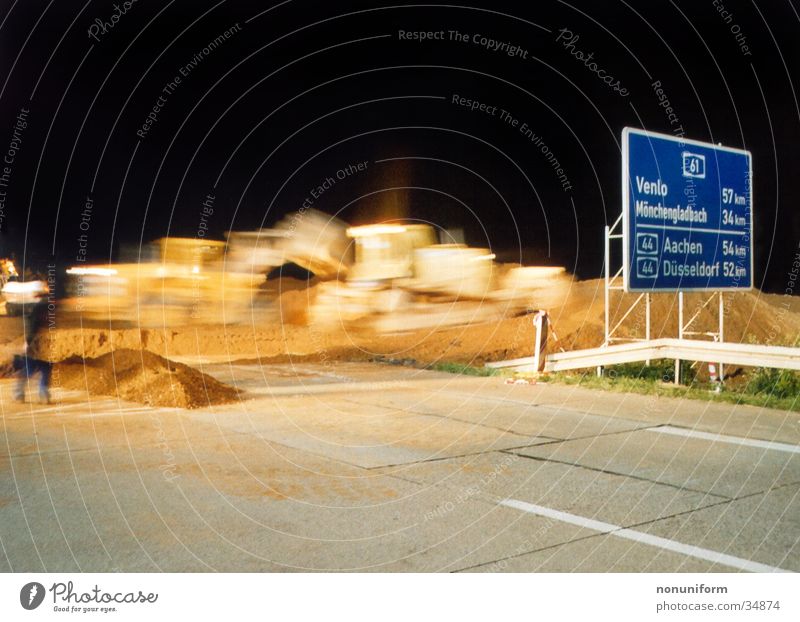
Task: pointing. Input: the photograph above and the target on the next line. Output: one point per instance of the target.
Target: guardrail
(749, 355)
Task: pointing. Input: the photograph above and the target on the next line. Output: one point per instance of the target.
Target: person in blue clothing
(30, 363)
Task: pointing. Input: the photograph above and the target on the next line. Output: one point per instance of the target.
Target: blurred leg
(45, 369)
(22, 379)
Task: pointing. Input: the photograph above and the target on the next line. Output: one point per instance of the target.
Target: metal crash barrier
(749, 355)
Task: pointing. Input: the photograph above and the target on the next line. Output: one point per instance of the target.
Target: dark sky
(294, 95)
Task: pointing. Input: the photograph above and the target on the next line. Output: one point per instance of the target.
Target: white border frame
(626, 132)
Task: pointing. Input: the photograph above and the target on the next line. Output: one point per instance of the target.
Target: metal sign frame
(626, 133)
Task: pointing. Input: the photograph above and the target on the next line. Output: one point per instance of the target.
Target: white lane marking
(643, 538)
(723, 438)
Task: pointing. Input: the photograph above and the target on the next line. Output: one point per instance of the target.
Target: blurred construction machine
(402, 280)
(186, 284)
(201, 281)
(15, 293)
(386, 277)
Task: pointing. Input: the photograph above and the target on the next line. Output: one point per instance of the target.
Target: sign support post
(721, 333)
(614, 282)
(680, 336)
(683, 327)
(647, 321)
(686, 226)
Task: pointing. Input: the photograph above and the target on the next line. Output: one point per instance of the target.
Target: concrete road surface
(381, 468)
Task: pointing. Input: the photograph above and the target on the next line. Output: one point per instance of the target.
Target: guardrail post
(540, 321)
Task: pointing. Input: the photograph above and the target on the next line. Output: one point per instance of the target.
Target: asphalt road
(379, 468)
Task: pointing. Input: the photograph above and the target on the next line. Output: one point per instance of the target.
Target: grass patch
(464, 369)
(771, 388)
(780, 383)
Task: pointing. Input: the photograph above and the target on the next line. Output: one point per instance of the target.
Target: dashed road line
(724, 438)
(643, 538)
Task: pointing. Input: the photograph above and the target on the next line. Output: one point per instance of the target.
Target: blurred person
(30, 363)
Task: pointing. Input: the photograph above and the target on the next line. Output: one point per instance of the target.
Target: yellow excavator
(403, 280)
(385, 277)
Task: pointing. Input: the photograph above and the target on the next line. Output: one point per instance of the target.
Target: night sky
(269, 103)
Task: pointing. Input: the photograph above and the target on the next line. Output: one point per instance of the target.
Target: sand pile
(749, 317)
(141, 376)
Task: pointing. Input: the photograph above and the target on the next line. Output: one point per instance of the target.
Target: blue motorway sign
(687, 213)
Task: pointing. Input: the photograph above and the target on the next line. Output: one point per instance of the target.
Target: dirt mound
(281, 332)
(141, 376)
(749, 317)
